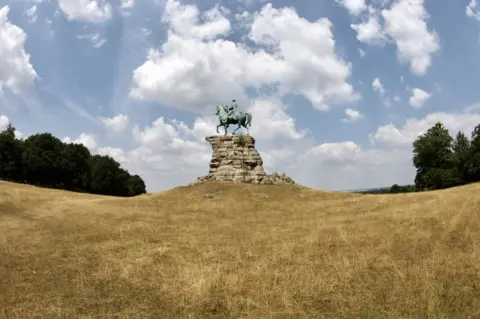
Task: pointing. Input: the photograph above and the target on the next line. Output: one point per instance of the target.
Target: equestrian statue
(228, 114)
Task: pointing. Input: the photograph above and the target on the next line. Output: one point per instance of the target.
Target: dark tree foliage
(44, 160)
(472, 164)
(394, 189)
(442, 161)
(461, 150)
(75, 167)
(434, 159)
(106, 176)
(10, 155)
(136, 185)
(42, 157)
(402, 189)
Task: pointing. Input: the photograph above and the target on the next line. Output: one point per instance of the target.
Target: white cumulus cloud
(472, 10)
(378, 86)
(184, 20)
(354, 7)
(406, 24)
(337, 152)
(32, 13)
(391, 135)
(116, 124)
(16, 72)
(370, 31)
(271, 122)
(127, 4)
(88, 140)
(4, 121)
(171, 147)
(196, 68)
(94, 11)
(352, 116)
(419, 97)
(116, 153)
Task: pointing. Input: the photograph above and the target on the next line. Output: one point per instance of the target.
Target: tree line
(442, 161)
(44, 160)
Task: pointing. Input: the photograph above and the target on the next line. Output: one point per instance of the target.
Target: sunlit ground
(239, 251)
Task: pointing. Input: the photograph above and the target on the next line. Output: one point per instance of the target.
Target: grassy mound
(221, 250)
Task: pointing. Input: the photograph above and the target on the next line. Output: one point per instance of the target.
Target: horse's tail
(249, 119)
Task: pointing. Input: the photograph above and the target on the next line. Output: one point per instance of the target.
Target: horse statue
(241, 119)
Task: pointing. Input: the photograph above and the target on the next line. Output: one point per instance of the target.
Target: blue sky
(338, 89)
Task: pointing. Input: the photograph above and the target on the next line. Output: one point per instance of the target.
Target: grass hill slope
(239, 251)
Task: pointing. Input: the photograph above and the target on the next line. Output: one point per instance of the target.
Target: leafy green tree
(107, 177)
(136, 185)
(473, 160)
(461, 144)
(402, 189)
(10, 155)
(461, 149)
(75, 167)
(42, 160)
(395, 189)
(434, 159)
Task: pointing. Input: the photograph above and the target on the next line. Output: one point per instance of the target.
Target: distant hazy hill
(365, 189)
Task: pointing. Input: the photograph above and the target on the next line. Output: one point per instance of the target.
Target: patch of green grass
(241, 140)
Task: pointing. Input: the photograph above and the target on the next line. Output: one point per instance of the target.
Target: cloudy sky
(338, 89)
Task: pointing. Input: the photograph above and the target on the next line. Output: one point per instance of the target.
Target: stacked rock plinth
(236, 159)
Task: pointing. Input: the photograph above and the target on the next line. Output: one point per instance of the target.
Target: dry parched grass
(239, 251)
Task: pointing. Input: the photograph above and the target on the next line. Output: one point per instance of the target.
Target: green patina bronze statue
(232, 110)
(228, 114)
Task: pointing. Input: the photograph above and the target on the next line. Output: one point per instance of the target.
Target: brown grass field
(239, 251)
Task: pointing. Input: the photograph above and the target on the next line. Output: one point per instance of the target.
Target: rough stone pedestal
(235, 159)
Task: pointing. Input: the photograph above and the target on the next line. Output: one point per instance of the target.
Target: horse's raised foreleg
(225, 126)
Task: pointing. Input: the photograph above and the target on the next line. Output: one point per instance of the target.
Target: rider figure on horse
(228, 114)
(232, 110)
